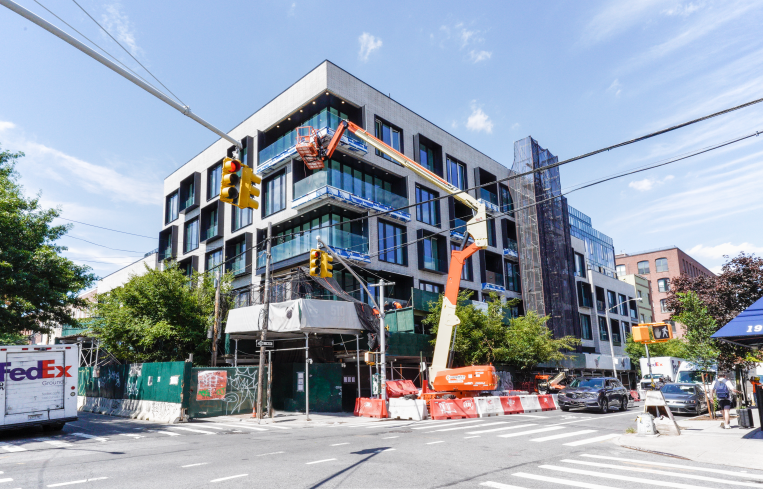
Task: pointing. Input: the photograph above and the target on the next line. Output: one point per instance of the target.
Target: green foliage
(484, 338)
(13, 339)
(673, 348)
(38, 287)
(701, 349)
(161, 316)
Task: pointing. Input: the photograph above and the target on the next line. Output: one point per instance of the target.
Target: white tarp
(297, 316)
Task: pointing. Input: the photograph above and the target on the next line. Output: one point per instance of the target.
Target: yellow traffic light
(315, 263)
(230, 183)
(640, 333)
(326, 266)
(248, 192)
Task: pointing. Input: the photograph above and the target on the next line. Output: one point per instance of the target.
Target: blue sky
(574, 75)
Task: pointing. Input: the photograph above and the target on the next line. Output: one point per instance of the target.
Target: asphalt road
(543, 450)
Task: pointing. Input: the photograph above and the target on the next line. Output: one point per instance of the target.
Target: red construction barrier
(511, 405)
(635, 396)
(546, 403)
(400, 388)
(357, 406)
(453, 408)
(373, 408)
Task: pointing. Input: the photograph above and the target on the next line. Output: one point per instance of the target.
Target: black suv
(602, 393)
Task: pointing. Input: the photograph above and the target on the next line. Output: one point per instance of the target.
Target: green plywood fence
(325, 387)
(164, 382)
(224, 391)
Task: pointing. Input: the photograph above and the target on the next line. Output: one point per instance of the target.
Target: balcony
(209, 233)
(347, 245)
(434, 264)
(459, 230)
(331, 184)
(165, 254)
(325, 124)
(494, 282)
(490, 200)
(511, 249)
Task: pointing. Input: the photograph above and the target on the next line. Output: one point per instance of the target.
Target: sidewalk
(706, 441)
(297, 420)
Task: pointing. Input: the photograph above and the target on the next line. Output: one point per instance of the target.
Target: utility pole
(382, 341)
(216, 322)
(264, 328)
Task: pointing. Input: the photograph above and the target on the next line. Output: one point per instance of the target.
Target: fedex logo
(44, 370)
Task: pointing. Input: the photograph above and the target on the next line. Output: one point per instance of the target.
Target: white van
(38, 385)
(690, 374)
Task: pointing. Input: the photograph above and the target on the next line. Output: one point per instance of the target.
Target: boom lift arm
(467, 378)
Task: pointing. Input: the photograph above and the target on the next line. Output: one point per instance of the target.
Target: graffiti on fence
(212, 385)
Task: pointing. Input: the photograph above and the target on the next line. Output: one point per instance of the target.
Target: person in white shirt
(722, 390)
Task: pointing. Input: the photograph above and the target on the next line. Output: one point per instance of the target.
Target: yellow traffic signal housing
(248, 191)
(369, 358)
(326, 266)
(662, 332)
(230, 183)
(640, 333)
(315, 263)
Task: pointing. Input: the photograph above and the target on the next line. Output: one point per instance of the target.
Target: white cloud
(478, 120)
(717, 252)
(368, 44)
(615, 88)
(648, 183)
(477, 56)
(515, 125)
(617, 17)
(683, 10)
(118, 24)
(292, 9)
(5, 125)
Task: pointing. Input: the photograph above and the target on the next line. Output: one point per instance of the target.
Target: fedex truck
(38, 385)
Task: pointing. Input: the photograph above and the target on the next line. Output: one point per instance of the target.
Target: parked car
(602, 393)
(685, 398)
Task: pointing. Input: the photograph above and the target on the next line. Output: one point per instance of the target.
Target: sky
(576, 76)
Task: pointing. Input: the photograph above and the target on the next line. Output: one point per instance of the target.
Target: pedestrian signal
(315, 263)
(662, 332)
(230, 183)
(326, 267)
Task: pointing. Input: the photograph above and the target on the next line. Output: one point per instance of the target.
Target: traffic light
(326, 266)
(662, 332)
(230, 183)
(315, 263)
(640, 333)
(248, 191)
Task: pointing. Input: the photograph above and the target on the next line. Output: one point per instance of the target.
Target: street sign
(264, 343)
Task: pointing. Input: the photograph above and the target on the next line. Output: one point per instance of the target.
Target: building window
(663, 285)
(275, 194)
(634, 310)
(214, 175)
(467, 272)
(431, 254)
(585, 298)
(620, 270)
(603, 334)
(456, 173)
(626, 330)
(580, 265)
(585, 327)
(237, 261)
(392, 241)
(171, 207)
(429, 212)
(210, 222)
(660, 265)
(213, 259)
(513, 281)
(390, 135)
(611, 299)
(615, 325)
(241, 218)
(507, 203)
(623, 304)
(491, 238)
(191, 241)
(426, 157)
(664, 305)
(188, 192)
(640, 295)
(241, 300)
(430, 287)
(355, 181)
(643, 267)
(643, 319)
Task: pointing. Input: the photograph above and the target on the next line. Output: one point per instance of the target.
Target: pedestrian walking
(722, 390)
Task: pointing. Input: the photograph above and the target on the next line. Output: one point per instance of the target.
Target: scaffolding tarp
(297, 316)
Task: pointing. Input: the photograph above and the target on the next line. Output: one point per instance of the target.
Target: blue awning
(746, 329)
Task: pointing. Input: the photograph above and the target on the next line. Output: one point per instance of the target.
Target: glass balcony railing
(238, 265)
(494, 278)
(320, 120)
(303, 243)
(488, 196)
(351, 184)
(165, 253)
(435, 264)
(209, 233)
(511, 248)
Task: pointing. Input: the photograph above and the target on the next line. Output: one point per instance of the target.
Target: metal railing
(349, 183)
(304, 242)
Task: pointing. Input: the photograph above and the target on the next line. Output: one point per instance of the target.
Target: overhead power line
(108, 229)
(102, 246)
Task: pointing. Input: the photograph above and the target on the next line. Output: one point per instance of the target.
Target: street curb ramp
(413, 409)
(489, 406)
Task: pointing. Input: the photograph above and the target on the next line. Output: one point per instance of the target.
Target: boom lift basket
(309, 147)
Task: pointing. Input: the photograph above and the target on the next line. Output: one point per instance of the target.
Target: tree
(484, 338)
(160, 316)
(672, 348)
(738, 286)
(38, 286)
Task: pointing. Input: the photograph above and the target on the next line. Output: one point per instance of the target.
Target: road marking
(528, 416)
(678, 466)
(469, 427)
(320, 461)
(501, 429)
(193, 465)
(592, 440)
(278, 427)
(337, 444)
(451, 424)
(435, 442)
(467, 437)
(498, 485)
(6, 480)
(168, 433)
(12, 448)
(191, 429)
(132, 435)
(564, 482)
(390, 437)
(77, 482)
(663, 472)
(388, 450)
(228, 478)
(618, 477)
(270, 453)
(91, 437)
(210, 426)
(55, 443)
(564, 435)
(241, 425)
(529, 432)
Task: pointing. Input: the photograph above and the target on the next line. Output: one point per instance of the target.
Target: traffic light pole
(264, 328)
(215, 327)
(184, 109)
(349, 269)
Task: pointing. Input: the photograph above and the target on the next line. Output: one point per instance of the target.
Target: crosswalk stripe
(619, 477)
(530, 432)
(91, 437)
(210, 426)
(564, 482)
(498, 485)
(192, 430)
(132, 435)
(278, 427)
(527, 425)
(255, 428)
(451, 423)
(55, 443)
(564, 435)
(12, 448)
(468, 427)
(592, 440)
(663, 472)
(168, 433)
(678, 466)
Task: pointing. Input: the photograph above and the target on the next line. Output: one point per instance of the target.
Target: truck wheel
(564, 408)
(54, 427)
